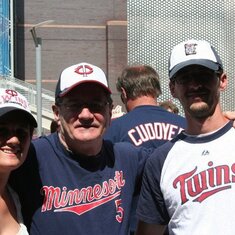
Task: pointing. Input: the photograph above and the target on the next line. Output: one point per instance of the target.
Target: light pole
(38, 44)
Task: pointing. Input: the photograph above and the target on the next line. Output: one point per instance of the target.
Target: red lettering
(54, 197)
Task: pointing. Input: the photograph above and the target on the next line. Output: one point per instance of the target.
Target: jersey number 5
(119, 210)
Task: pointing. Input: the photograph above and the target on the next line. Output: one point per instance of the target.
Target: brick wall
(92, 31)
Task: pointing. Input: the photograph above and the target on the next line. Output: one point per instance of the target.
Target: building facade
(156, 27)
(82, 31)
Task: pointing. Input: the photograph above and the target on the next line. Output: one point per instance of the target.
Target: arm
(230, 115)
(150, 229)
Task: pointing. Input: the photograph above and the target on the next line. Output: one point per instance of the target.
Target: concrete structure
(91, 31)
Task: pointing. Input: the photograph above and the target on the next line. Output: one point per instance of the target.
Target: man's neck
(197, 126)
(143, 100)
(85, 148)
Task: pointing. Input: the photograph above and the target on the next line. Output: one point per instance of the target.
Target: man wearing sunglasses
(74, 181)
(188, 183)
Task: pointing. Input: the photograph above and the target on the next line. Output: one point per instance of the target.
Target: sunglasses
(94, 107)
(198, 77)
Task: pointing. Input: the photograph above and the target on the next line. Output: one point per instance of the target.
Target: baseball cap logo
(12, 97)
(84, 70)
(11, 92)
(190, 49)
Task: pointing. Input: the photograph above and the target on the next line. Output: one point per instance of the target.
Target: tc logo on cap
(8, 96)
(193, 52)
(11, 92)
(84, 70)
(190, 49)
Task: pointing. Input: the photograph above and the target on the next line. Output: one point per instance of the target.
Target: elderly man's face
(84, 115)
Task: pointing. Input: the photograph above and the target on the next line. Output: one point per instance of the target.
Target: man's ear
(223, 81)
(172, 88)
(55, 110)
(110, 110)
(123, 95)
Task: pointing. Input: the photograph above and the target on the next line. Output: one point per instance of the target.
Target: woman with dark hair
(16, 128)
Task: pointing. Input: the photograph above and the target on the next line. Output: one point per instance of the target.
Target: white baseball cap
(11, 100)
(193, 52)
(77, 74)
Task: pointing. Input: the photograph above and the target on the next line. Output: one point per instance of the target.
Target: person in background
(16, 129)
(169, 106)
(74, 182)
(188, 183)
(117, 112)
(145, 123)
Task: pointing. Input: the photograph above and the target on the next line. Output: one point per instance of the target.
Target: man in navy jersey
(146, 123)
(188, 183)
(73, 181)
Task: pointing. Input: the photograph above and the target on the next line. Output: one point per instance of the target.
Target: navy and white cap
(78, 74)
(11, 100)
(193, 52)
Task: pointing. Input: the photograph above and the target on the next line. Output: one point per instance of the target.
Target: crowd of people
(149, 171)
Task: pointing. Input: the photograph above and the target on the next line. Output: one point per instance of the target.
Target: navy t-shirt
(148, 125)
(62, 193)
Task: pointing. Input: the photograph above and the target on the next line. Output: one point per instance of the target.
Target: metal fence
(29, 91)
(155, 26)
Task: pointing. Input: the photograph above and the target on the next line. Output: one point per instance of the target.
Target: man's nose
(13, 138)
(85, 113)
